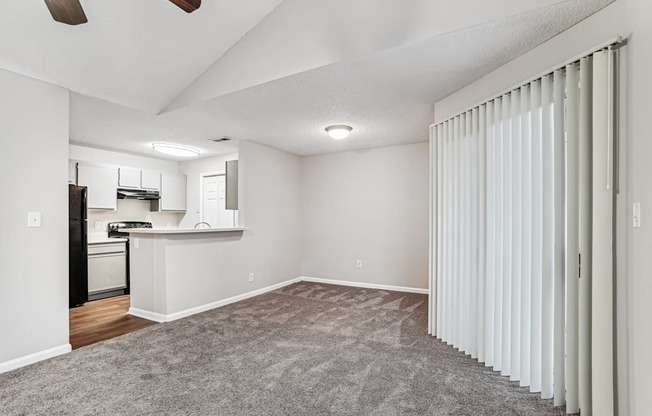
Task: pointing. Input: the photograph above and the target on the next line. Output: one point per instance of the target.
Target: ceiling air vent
(221, 140)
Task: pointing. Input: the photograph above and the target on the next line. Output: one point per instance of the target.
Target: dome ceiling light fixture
(176, 149)
(339, 132)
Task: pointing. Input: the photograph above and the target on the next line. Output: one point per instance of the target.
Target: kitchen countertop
(184, 230)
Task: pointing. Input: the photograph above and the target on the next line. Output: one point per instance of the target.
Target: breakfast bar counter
(176, 272)
(184, 230)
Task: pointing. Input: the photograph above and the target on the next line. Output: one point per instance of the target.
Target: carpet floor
(306, 349)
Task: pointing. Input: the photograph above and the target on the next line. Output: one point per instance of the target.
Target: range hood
(141, 194)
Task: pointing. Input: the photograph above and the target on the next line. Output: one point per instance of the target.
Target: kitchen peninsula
(178, 272)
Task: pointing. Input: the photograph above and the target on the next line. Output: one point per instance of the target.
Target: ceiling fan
(71, 12)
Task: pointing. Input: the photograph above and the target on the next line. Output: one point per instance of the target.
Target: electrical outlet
(33, 219)
(169, 224)
(136, 242)
(251, 277)
(98, 225)
(358, 264)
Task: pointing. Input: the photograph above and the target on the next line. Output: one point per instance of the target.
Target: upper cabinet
(72, 172)
(129, 178)
(173, 192)
(102, 184)
(136, 178)
(150, 180)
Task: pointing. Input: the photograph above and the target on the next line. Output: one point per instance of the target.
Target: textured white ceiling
(138, 53)
(301, 35)
(386, 96)
(98, 123)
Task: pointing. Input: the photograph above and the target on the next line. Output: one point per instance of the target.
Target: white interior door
(214, 203)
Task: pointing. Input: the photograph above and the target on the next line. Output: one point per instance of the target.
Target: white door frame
(203, 176)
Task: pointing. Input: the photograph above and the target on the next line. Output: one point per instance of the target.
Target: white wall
(109, 157)
(270, 205)
(33, 177)
(626, 18)
(270, 188)
(639, 16)
(193, 170)
(369, 205)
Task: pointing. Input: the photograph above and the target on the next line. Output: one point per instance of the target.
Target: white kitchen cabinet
(173, 192)
(72, 172)
(150, 180)
(232, 184)
(102, 184)
(129, 178)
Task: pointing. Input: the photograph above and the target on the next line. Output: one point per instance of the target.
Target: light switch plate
(33, 219)
(98, 225)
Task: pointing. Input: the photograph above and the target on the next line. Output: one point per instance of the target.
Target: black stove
(118, 230)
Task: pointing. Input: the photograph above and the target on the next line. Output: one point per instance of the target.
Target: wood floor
(103, 319)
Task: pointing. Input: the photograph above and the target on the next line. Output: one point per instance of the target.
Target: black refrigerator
(78, 253)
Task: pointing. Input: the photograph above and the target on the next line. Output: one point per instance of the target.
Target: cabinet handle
(111, 254)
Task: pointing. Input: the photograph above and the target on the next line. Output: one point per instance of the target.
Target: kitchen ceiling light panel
(176, 150)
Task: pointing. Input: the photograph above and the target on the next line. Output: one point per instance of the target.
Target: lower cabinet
(107, 269)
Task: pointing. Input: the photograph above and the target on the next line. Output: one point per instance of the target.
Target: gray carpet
(307, 349)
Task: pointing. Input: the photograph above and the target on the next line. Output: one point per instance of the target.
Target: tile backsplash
(131, 210)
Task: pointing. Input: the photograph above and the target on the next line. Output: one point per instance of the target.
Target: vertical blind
(520, 204)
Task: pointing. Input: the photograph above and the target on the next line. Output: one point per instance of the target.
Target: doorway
(213, 202)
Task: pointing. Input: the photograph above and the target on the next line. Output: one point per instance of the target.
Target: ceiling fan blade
(187, 6)
(69, 12)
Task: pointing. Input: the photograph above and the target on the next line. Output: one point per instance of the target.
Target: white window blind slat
(526, 230)
(481, 178)
(537, 208)
(572, 239)
(559, 248)
(498, 236)
(490, 246)
(516, 221)
(506, 236)
(474, 303)
(601, 238)
(585, 223)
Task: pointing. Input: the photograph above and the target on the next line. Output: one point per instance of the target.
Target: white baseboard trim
(34, 358)
(364, 285)
(228, 301)
(157, 317)
(152, 316)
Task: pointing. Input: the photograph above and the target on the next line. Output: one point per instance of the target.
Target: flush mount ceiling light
(339, 132)
(175, 149)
